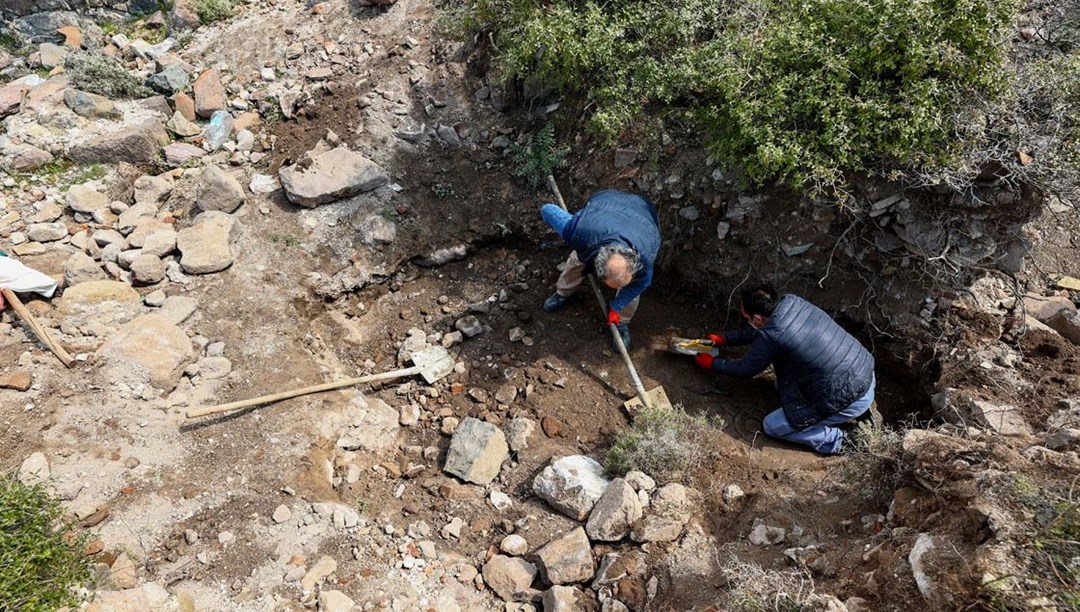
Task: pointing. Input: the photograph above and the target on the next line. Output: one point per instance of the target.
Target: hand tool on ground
(692, 346)
(653, 398)
(433, 363)
(38, 329)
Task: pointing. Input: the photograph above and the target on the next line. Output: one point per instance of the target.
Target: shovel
(653, 398)
(433, 363)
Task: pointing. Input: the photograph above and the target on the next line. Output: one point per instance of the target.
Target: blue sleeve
(631, 291)
(759, 357)
(741, 336)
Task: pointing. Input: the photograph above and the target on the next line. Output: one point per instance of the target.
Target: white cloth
(21, 279)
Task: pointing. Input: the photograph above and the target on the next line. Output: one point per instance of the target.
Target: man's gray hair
(603, 256)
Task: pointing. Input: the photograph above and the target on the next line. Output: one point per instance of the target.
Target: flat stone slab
(335, 174)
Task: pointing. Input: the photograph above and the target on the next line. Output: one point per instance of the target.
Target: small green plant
(109, 27)
(662, 443)
(538, 157)
(361, 505)
(9, 43)
(98, 74)
(287, 239)
(41, 560)
(388, 213)
(442, 190)
(210, 11)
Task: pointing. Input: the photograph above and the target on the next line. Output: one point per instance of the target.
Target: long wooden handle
(615, 336)
(38, 329)
(277, 397)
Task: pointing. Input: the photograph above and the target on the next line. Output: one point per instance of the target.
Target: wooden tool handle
(277, 397)
(39, 330)
(615, 336)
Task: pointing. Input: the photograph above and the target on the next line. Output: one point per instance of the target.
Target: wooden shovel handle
(277, 397)
(38, 329)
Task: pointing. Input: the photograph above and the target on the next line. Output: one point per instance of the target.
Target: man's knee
(775, 424)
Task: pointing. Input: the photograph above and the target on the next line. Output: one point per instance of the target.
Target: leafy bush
(41, 562)
(538, 157)
(662, 443)
(805, 92)
(101, 75)
(210, 11)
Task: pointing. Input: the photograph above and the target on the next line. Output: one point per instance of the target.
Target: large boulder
(572, 485)
(328, 176)
(148, 349)
(102, 302)
(207, 246)
(510, 577)
(219, 190)
(137, 145)
(568, 558)
(612, 516)
(476, 451)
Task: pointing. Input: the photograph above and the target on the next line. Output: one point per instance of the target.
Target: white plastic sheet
(22, 279)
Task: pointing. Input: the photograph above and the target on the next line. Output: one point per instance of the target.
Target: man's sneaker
(557, 302)
(624, 333)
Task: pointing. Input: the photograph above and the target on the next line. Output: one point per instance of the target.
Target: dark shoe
(557, 302)
(624, 333)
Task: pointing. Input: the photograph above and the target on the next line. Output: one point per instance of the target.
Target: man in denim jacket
(615, 236)
(824, 376)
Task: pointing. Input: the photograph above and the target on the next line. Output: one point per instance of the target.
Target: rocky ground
(318, 191)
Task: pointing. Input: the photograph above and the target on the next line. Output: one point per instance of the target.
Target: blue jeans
(820, 436)
(556, 217)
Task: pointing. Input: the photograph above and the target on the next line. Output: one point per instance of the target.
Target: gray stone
(509, 577)
(657, 529)
(29, 158)
(147, 269)
(572, 485)
(448, 134)
(181, 126)
(335, 174)
(1066, 323)
(207, 246)
(1043, 308)
(616, 510)
(170, 80)
(136, 216)
(263, 184)
(324, 567)
(89, 105)
(565, 599)
(335, 601)
(1005, 419)
(148, 349)
(179, 153)
(376, 229)
(375, 429)
(568, 558)
(732, 493)
(923, 545)
(34, 469)
(625, 157)
(514, 545)
(470, 326)
(81, 268)
(159, 243)
(640, 481)
(219, 190)
(518, 432)
(103, 302)
(135, 145)
(46, 232)
(176, 308)
(477, 451)
(1062, 439)
(51, 54)
(12, 94)
(152, 189)
(183, 17)
(154, 299)
(213, 368)
(762, 534)
(86, 199)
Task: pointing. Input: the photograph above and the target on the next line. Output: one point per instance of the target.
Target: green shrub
(663, 443)
(101, 75)
(806, 92)
(210, 11)
(41, 563)
(538, 157)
